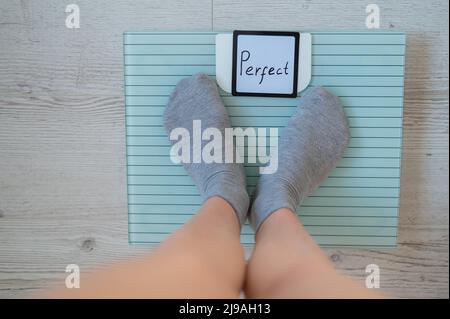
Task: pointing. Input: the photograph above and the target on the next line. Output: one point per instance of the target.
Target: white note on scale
(224, 63)
(266, 64)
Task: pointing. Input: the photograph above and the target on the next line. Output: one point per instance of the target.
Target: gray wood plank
(62, 149)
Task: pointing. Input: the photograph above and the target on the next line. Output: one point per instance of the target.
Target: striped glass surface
(356, 206)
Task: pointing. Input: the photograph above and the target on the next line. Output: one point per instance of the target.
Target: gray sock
(197, 98)
(310, 147)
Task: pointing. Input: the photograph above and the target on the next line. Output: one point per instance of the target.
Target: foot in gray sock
(197, 98)
(309, 149)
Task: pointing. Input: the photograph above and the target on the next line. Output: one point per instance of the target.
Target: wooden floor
(62, 147)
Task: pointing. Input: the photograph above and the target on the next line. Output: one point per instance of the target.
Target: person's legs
(203, 259)
(287, 263)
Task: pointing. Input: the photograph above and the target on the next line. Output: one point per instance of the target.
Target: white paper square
(265, 52)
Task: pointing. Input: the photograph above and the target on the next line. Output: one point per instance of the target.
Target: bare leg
(287, 263)
(203, 259)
